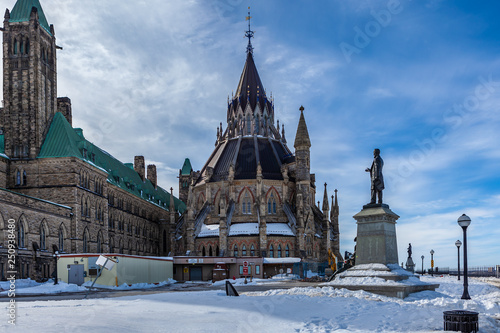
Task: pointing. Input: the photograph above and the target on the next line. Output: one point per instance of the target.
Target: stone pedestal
(376, 267)
(410, 265)
(376, 238)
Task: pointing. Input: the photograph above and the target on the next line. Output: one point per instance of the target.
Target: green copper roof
(186, 168)
(62, 141)
(22, 12)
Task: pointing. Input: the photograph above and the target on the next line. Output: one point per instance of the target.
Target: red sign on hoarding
(245, 267)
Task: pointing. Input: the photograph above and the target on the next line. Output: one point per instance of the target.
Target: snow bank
(133, 286)
(47, 288)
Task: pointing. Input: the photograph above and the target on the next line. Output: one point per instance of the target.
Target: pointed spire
(334, 213)
(283, 133)
(325, 201)
(302, 136)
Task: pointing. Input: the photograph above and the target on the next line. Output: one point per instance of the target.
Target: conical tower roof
(302, 136)
(250, 88)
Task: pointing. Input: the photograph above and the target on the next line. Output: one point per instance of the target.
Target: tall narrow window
(15, 46)
(210, 253)
(18, 177)
(24, 177)
(42, 237)
(235, 250)
(271, 251)
(85, 242)
(279, 251)
(20, 235)
(252, 250)
(27, 50)
(99, 249)
(243, 250)
(217, 251)
(203, 252)
(61, 239)
(249, 125)
(287, 251)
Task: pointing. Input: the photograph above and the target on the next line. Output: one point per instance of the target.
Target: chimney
(152, 174)
(64, 106)
(139, 166)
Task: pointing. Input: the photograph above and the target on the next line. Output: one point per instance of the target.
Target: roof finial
(249, 34)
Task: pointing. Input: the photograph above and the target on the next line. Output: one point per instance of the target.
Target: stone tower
(29, 79)
(185, 180)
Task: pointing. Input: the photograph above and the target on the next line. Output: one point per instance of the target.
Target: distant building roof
(22, 12)
(62, 140)
(186, 168)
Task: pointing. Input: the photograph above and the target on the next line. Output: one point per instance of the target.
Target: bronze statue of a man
(376, 176)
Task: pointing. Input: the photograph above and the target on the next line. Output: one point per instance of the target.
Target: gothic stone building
(59, 190)
(254, 197)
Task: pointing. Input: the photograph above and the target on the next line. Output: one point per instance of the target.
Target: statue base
(387, 280)
(376, 236)
(410, 265)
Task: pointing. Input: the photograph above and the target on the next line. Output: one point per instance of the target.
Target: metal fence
(472, 271)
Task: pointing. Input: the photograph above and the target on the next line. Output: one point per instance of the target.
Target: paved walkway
(177, 287)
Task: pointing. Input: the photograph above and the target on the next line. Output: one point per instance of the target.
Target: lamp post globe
(432, 262)
(464, 221)
(458, 243)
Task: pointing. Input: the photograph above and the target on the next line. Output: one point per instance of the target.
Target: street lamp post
(422, 264)
(464, 222)
(432, 262)
(458, 244)
(55, 260)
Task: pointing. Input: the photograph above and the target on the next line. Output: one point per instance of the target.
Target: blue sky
(420, 80)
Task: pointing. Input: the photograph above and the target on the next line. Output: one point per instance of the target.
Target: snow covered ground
(295, 310)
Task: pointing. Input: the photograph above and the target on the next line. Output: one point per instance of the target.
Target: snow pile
(238, 282)
(133, 286)
(20, 283)
(285, 277)
(47, 288)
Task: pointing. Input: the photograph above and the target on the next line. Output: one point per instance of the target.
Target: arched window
(271, 251)
(20, 235)
(235, 250)
(210, 253)
(203, 252)
(27, 50)
(246, 206)
(42, 238)
(18, 177)
(243, 250)
(271, 204)
(15, 46)
(279, 251)
(24, 177)
(21, 50)
(111, 245)
(287, 251)
(252, 250)
(61, 239)
(217, 251)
